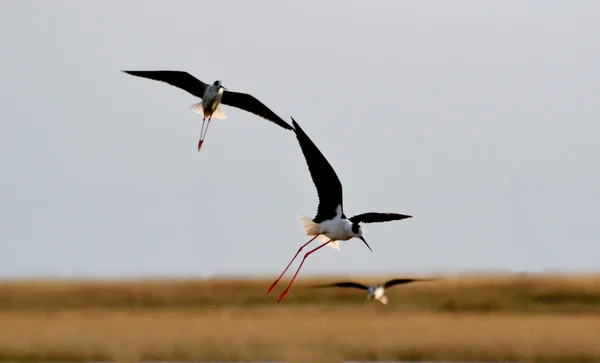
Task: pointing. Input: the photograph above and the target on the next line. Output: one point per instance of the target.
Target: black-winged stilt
(374, 292)
(330, 224)
(212, 96)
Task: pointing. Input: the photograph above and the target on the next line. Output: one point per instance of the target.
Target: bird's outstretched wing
(374, 217)
(249, 103)
(329, 187)
(401, 281)
(346, 284)
(179, 79)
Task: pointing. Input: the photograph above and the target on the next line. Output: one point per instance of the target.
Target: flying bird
(330, 225)
(375, 292)
(212, 97)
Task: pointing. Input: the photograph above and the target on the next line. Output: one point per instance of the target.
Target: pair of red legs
(299, 267)
(203, 131)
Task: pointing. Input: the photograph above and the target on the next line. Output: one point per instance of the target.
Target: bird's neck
(348, 228)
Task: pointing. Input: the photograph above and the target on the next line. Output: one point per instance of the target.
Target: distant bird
(375, 292)
(212, 96)
(330, 224)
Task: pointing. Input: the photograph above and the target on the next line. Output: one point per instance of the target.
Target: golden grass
(508, 293)
(487, 318)
(260, 333)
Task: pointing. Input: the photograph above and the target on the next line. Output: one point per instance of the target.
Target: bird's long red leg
(288, 266)
(298, 270)
(200, 140)
(205, 129)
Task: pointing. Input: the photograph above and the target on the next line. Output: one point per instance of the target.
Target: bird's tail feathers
(218, 114)
(324, 239)
(312, 229)
(383, 299)
(197, 107)
(334, 244)
(309, 226)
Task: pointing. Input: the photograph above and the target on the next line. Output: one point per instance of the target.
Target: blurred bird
(374, 292)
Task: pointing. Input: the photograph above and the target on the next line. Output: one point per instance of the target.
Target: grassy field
(486, 318)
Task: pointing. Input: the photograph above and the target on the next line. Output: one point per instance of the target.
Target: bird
(330, 225)
(212, 97)
(374, 292)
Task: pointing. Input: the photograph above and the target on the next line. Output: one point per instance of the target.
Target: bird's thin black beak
(365, 242)
(224, 88)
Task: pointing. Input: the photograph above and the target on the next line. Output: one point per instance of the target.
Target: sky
(479, 119)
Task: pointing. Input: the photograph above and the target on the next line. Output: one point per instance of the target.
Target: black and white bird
(330, 224)
(212, 97)
(375, 292)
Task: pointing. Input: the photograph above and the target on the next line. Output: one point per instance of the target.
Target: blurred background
(479, 119)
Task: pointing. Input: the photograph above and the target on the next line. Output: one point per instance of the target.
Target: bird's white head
(357, 232)
(219, 85)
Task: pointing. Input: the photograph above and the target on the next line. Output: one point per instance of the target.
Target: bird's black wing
(179, 79)
(400, 281)
(329, 187)
(249, 103)
(374, 217)
(346, 284)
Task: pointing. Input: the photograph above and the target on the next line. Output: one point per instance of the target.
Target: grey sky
(478, 118)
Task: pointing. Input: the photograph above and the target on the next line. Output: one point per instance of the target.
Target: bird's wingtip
(286, 126)
(294, 122)
(296, 128)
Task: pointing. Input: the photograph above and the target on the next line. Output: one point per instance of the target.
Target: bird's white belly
(336, 230)
(378, 293)
(211, 101)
